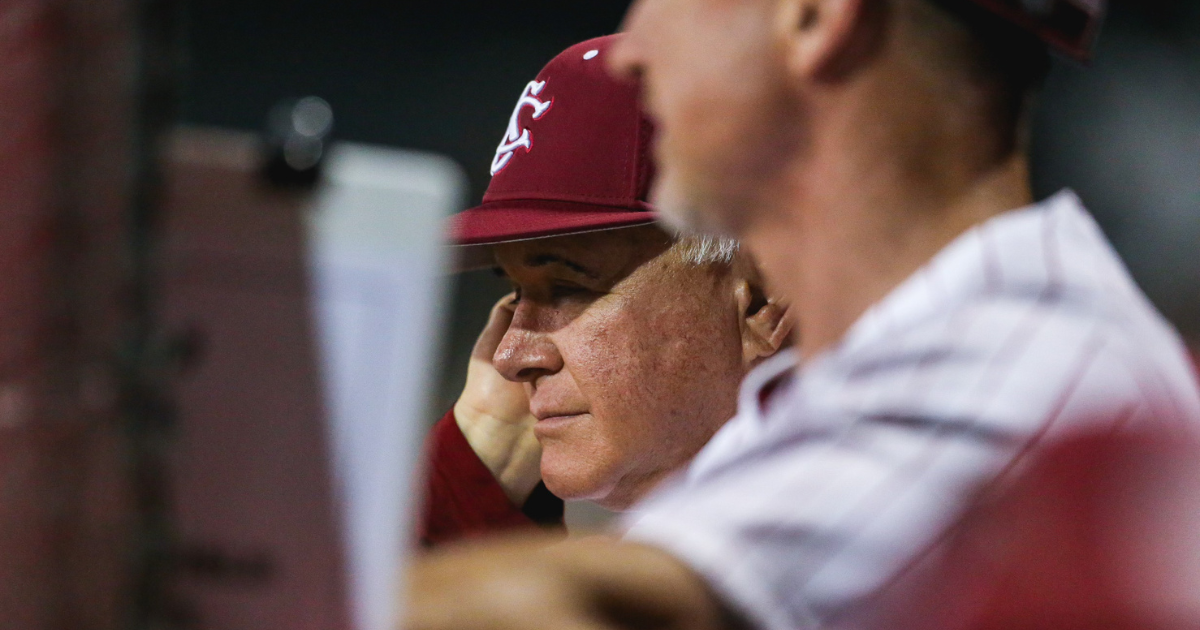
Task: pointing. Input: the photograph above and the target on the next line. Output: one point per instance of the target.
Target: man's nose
(526, 353)
(624, 57)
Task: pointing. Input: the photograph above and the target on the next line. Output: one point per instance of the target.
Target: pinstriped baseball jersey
(811, 501)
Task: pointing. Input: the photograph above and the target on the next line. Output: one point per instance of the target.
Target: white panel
(377, 263)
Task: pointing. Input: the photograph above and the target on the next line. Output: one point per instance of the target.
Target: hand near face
(532, 583)
(493, 414)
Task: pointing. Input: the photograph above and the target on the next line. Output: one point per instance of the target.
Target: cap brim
(1070, 27)
(502, 222)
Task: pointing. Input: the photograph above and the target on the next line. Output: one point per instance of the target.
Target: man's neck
(846, 246)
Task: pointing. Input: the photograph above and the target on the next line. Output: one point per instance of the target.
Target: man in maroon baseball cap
(620, 352)
(872, 155)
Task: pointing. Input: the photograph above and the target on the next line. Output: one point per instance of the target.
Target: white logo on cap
(516, 137)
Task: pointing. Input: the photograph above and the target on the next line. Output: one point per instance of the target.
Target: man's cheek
(595, 354)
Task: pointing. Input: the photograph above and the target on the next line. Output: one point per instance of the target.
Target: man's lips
(552, 422)
(544, 408)
(557, 415)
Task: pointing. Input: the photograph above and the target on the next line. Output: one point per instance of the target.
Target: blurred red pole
(1100, 532)
(67, 522)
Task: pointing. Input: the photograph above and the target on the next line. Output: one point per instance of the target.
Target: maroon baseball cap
(575, 156)
(1069, 26)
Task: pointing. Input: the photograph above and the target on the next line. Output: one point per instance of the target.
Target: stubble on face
(679, 210)
(715, 82)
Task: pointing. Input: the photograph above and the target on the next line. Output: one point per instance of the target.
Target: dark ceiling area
(436, 76)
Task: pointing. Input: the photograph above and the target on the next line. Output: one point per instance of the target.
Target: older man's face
(631, 358)
(714, 82)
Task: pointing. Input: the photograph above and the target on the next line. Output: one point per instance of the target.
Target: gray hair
(702, 249)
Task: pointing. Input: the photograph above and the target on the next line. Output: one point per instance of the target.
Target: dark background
(443, 76)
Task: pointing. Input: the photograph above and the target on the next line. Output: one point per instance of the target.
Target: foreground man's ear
(765, 325)
(825, 39)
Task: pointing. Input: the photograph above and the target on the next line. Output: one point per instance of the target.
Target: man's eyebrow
(541, 260)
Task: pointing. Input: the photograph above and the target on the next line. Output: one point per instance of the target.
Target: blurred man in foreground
(620, 352)
(871, 153)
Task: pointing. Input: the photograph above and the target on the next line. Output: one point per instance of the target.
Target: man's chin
(566, 478)
(682, 212)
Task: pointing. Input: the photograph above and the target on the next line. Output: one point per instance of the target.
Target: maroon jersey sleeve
(464, 500)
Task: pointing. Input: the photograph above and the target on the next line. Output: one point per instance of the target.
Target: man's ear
(827, 39)
(765, 325)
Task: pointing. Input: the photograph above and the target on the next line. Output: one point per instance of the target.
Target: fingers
(487, 396)
(498, 322)
(487, 392)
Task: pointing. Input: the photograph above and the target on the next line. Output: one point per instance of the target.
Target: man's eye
(563, 291)
(553, 293)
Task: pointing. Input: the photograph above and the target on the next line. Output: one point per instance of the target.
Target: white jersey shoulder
(1023, 328)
